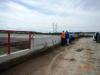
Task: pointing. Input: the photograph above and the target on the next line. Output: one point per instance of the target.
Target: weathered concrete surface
(82, 58)
(35, 66)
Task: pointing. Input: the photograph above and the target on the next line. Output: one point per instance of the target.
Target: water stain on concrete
(80, 49)
(71, 59)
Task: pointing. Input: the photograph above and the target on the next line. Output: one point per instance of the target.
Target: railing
(12, 41)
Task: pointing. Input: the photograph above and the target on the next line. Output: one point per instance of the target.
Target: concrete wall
(44, 41)
(38, 42)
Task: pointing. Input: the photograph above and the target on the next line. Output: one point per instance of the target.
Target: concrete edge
(18, 60)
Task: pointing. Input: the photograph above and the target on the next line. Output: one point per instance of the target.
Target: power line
(55, 27)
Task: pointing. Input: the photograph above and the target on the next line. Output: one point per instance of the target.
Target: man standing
(67, 37)
(72, 37)
(63, 38)
(97, 37)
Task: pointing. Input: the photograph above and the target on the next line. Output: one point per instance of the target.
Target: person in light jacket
(63, 38)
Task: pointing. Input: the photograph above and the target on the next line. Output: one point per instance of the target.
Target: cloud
(90, 5)
(53, 7)
(38, 15)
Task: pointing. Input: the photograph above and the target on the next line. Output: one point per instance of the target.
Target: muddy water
(81, 58)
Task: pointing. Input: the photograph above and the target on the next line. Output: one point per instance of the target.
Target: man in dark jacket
(97, 37)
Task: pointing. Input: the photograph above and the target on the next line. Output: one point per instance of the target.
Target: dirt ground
(81, 58)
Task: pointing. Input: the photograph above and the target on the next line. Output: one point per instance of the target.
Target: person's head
(63, 30)
(66, 31)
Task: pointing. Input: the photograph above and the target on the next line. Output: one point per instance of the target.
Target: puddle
(80, 49)
(91, 53)
(88, 49)
(72, 59)
(93, 58)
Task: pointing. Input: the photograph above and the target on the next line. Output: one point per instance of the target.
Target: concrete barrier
(38, 43)
(44, 42)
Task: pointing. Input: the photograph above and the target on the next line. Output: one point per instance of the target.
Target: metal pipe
(30, 39)
(9, 43)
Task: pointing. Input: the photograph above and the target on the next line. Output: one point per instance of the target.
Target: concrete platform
(80, 58)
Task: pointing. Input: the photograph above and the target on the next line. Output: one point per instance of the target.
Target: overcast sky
(39, 15)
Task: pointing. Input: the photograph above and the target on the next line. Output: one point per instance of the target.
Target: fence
(12, 41)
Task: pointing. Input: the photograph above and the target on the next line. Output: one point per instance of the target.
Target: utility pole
(55, 26)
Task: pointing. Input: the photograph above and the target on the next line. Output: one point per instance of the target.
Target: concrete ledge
(21, 56)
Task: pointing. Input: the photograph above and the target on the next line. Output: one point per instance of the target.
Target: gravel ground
(81, 58)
